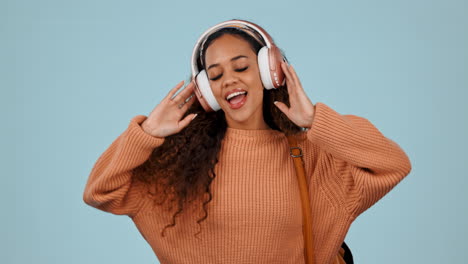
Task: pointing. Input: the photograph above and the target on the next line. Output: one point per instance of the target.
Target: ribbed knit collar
(235, 135)
(253, 138)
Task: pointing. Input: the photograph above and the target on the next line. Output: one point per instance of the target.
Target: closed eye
(216, 78)
(241, 70)
(236, 70)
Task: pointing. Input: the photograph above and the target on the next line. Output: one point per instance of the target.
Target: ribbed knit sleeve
(368, 164)
(110, 186)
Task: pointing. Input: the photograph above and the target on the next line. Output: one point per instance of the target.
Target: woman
(209, 178)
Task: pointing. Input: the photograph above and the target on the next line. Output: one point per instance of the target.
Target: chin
(238, 116)
(242, 117)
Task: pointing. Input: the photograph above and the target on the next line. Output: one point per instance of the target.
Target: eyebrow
(233, 59)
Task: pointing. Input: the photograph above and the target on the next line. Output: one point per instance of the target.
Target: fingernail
(194, 116)
(275, 102)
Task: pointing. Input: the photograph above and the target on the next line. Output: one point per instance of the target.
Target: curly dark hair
(182, 168)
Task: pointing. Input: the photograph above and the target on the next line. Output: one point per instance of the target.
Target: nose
(230, 78)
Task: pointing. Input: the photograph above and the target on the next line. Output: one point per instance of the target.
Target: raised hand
(301, 111)
(165, 119)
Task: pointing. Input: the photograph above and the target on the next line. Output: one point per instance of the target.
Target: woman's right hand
(165, 119)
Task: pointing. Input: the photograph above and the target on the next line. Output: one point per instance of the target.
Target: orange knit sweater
(255, 214)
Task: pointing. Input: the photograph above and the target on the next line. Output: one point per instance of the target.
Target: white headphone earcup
(205, 89)
(264, 68)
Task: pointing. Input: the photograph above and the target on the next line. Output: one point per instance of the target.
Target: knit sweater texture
(255, 213)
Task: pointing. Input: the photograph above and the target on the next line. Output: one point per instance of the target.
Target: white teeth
(235, 94)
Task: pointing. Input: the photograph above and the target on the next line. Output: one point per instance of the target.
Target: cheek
(256, 82)
(216, 90)
(256, 85)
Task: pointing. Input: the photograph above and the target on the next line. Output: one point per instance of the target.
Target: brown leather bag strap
(296, 153)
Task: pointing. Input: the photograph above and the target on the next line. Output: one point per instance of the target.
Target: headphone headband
(246, 30)
(246, 26)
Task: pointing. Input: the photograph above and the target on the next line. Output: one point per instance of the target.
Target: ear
(269, 63)
(264, 68)
(204, 93)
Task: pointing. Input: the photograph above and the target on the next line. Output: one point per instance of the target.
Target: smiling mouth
(237, 100)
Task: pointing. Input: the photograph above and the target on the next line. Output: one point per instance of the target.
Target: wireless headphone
(269, 60)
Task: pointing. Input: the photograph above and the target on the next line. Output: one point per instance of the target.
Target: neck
(248, 125)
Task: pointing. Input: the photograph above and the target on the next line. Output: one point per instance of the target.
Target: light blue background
(73, 74)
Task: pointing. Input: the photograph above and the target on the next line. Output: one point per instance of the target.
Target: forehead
(226, 47)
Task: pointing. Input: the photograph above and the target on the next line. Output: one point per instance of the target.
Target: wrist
(313, 115)
(145, 127)
(311, 118)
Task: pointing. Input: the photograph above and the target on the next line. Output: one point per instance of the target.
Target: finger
(282, 107)
(174, 90)
(183, 96)
(296, 78)
(188, 102)
(186, 121)
(284, 66)
(289, 79)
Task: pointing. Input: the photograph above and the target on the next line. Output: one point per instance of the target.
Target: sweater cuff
(140, 137)
(326, 121)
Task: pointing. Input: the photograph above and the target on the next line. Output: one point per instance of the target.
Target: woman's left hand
(302, 110)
